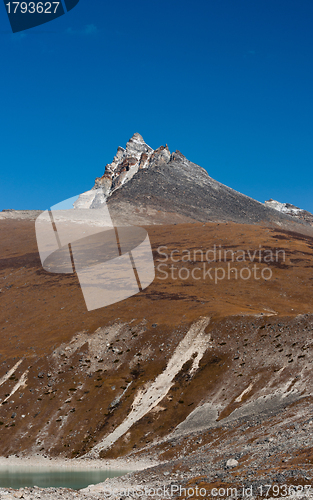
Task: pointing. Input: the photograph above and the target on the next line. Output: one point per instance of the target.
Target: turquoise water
(45, 477)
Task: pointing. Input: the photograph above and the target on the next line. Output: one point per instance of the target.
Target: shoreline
(126, 464)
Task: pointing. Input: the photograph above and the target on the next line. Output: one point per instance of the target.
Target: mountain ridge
(146, 186)
(143, 186)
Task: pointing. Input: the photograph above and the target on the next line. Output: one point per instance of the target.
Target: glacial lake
(48, 477)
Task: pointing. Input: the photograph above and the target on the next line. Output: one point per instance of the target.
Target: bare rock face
(125, 164)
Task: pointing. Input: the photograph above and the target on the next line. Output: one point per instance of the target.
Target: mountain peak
(142, 184)
(136, 155)
(136, 146)
(136, 138)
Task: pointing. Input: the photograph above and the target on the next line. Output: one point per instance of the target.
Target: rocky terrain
(289, 209)
(205, 375)
(189, 373)
(20, 214)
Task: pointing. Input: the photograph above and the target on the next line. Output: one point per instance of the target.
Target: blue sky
(227, 82)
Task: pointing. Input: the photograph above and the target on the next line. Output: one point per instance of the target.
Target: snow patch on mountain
(289, 209)
(286, 208)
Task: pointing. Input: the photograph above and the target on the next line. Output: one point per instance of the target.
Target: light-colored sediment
(77, 463)
(193, 345)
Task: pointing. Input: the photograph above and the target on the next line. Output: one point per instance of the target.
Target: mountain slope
(189, 372)
(149, 186)
(70, 378)
(182, 187)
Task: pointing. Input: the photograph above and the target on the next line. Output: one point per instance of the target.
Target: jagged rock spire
(135, 156)
(126, 163)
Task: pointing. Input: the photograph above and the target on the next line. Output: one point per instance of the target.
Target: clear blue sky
(227, 82)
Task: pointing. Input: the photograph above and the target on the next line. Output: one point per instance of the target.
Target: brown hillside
(68, 377)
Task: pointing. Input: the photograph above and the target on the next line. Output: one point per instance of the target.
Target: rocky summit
(148, 186)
